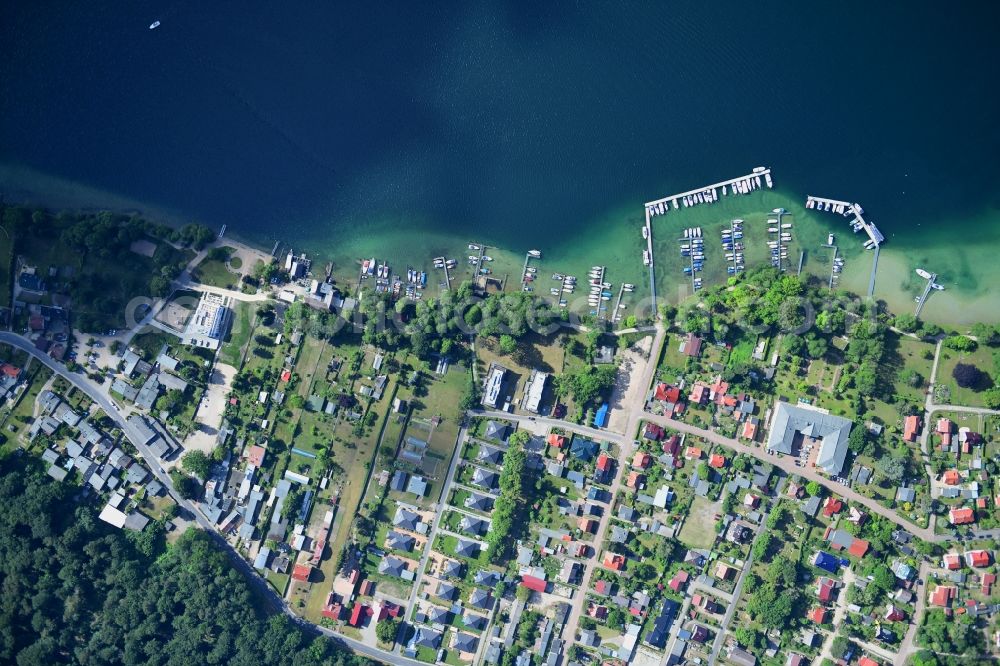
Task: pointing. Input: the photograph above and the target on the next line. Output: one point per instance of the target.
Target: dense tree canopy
(79, 591)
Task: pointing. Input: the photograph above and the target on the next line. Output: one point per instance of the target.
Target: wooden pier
(931, 284)
(871, 281)
(649, 249)
(621, 292)
(847, 209)
(740, 185)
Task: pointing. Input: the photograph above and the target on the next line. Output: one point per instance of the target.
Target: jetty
(649, 253)
(931, 284)
(875, 237)
(871, 281)
(616, 316)
(710, 193)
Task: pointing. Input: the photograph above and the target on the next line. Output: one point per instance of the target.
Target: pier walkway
(923, 296)
(847, 209)
(649, 250)
(739, 185)
(871, 282)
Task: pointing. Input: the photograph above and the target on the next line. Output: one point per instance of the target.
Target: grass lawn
(150, 343)
(911, 356)
(982, 358)
(239, 334)
(278, 581)
(215, 273)
(699, 526)
(19, 414)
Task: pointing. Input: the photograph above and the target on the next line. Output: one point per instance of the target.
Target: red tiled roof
(634, 478)
(692, 453)
(831, 506)
(818, 615)
(952, 561)
(356, 614)
(749, 430)
(951, 477)
(557, 441)
(286, 374)
(603, 462)
(866, 661)
(911, 425)
(858, 548)
(256, 455)
(10, 370)
(961, 516)
(977, 558)
(942, 595)
(717, 461)
(641, 460)
(614, 561)
(301, 572)
(533, 583)
(667, 393)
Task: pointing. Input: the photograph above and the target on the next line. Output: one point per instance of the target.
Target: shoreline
(606, 241)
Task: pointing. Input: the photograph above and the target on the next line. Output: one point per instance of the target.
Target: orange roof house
(679, 579)
(961, 516)
(717, 461)
(586, 525)
(951, 477)
(558, 441)
(614, 561)
(818, 615)
(858, 548)
(944, 429)
(692, 453)
(10, 370)
(667, 393)
(286, 375)
(603, 462)
(255, 455)
(749, 429)
(952, 561)
(832, 506)
(911, 428)
(723, 571)
(634, 479)
(868, 661)
(977, 558)
(301, 573)
(641, 460)
(943, 595)
(699, 393)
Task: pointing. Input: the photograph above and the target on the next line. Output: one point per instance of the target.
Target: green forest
(77, 591)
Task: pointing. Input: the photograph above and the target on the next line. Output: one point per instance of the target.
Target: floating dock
(710, 193)
(931, 284)
(649, 249)
(875, 237)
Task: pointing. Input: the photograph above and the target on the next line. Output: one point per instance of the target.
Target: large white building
(534, 390)
(210, 323)
(493, 385)
(794, 425)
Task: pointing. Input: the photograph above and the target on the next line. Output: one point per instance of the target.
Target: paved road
(720, 635)
(100, 397)
(787, 464)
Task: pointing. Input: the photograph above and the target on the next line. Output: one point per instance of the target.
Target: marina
(710, 193)
(875, 237)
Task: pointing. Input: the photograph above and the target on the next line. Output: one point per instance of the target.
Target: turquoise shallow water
(337, 126)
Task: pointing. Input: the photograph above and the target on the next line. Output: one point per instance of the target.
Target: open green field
(214, 272)
(99, 287)
(982, 358)
(16, 417)
(698, 530)
(239, 334)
